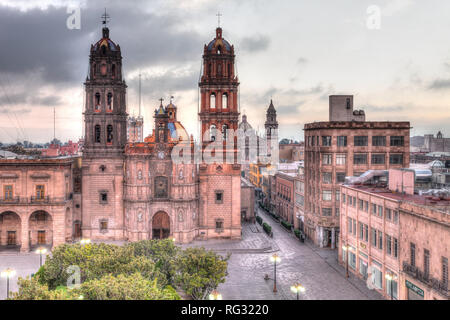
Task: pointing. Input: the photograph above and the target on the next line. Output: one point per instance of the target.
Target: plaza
(316, 269)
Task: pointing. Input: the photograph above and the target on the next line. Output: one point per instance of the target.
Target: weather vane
(105, 18)
(218, 18)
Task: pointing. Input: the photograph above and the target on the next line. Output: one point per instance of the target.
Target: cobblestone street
(316, 269)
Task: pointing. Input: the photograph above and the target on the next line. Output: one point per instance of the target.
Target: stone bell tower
(105, 120)
(220, 182)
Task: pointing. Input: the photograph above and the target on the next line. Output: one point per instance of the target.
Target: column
(25, 240)
(333, 240)
(320, 236)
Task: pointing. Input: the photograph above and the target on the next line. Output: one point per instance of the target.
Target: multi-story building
(292, 151)
(347, 145)
(424, 247)
(393, 238)
(284, 201)
(299, 196)
(36, 205)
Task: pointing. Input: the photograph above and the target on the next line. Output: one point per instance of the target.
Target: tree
(199, 271)
(125, 287)
(32, 289)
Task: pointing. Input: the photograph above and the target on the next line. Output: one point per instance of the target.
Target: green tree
(32, 289)
(200, 271)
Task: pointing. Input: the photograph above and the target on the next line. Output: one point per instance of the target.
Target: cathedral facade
(135, 191)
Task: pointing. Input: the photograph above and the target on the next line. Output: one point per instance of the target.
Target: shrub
(267, 228)
(297, 233)
(286, 224)
(259, 219)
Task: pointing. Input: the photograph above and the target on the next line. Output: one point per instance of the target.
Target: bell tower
(271, 126)
(105, 122)
(220, 183)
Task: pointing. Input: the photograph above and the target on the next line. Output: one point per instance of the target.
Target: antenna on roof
(139, 94)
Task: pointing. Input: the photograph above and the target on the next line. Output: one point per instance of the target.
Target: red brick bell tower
(220, 182)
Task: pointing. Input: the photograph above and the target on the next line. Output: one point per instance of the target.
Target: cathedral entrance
(160, 225)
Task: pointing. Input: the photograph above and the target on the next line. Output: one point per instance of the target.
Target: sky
(392, 55)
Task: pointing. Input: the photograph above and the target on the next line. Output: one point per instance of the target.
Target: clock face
(161, 154)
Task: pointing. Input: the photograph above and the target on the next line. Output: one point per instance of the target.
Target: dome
(106, 41)
(219, 42)
(177, 131)
(244, 125)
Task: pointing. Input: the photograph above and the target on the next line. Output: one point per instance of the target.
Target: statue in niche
(180, 174)
(180, 216)
(139, 217)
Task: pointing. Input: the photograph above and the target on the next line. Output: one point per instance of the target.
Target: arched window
(219, 50)
(219, 69)
(113, 70)
(97, 101)
(212, 132)
(229, 70)
(212, 101)
(110, 101)
(224, 132)
(225, 101)
(103, 49)
(97, 134)
(209, 70)
(109, 133)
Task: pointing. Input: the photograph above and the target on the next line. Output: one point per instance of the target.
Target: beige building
(347, 145)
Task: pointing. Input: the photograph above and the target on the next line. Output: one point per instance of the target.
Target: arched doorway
(160, 225)
(10, 230)
(41, 228)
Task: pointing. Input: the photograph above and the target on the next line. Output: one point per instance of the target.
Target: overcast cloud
(294, 52)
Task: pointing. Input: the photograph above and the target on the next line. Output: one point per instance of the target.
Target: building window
(341, 159)
(350, 225)
(212, 133)
(426, 263)
(97, 101)
(342, 141)
(380, 211)
(109, 133)
(103, 225)
(109, 101)
(103, 197)
(361, 204)
(326, 141)
(361, 230)
(343, 198)
(337, 195)
(352, 260)
(380, 240)
(327, 212)
(8, 192)
(396, 159)
(40, 192)
(97, 133)
(445, 271)
(388, 245)
(336, 211)
(219, 197)
(366, 233)
(327, 159)
(360, 158)
(373, 237)
(224, 101)
(378, 158)
(397, 141)
(395, 249)
(394, 288)
(366, 206)
(378, 278)
(326, 195)
(412, 251)
(326, 177)
(219, 225)
(161, 187)
(360, 141)
(363, 268)
(224, 132)
(374, 209)
(340, 177)
(388, 213)
(212, 101)
(379, 141)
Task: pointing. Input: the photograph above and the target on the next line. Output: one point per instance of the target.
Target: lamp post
(297, 288)
(275, 258)
(391, 277)
(85, 241)
(40, 252)
(215, 295)
(8, 273)
(346, 248)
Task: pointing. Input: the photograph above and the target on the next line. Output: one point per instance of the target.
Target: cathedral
(134, 190)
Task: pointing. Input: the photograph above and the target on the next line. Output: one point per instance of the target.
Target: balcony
(433, 283)
(10, 200)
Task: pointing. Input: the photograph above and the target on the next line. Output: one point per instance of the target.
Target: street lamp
(85, 241)
(8, 273)
(215, 295)
(275, 258)
(40, 252)
(345, 249)
(297, 288)
(391, 277)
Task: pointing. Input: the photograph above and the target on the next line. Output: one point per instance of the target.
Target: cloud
(374, 108)
(440, 84)
(302, 60)
(255, 43)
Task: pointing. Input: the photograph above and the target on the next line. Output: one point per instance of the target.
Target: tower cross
(105, 18)
(161, 99)
(218, 18)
